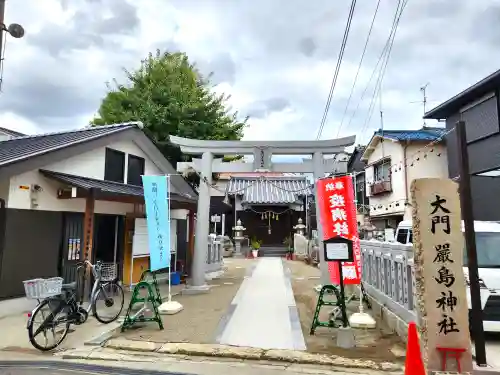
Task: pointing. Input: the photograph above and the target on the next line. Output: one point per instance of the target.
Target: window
(114, 165)
(360, 183)
(487, 247)
(402, 236)
(135, 170)
(382, 171)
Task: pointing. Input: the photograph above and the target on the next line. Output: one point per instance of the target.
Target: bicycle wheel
(53, 319)
(108, 302)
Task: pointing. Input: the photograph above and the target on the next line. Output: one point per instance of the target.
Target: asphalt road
(61, 368)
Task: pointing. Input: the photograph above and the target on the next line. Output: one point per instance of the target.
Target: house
(70, 195)
(478, 106)
(394, 158)
(356, 167)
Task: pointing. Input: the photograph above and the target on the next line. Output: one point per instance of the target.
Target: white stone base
(170, 308)
(345, 338)
(213, 275)
(362, 320)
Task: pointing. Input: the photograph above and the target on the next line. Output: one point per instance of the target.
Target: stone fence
(215, 254)
(389, 279)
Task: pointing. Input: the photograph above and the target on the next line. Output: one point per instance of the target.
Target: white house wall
(432, 166)
(394, 151)
(47, 200)
(429, 166)
(90, 164)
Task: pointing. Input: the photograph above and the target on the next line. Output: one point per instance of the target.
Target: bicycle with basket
(65, 302)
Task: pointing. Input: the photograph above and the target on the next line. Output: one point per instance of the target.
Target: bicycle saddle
(70, 286)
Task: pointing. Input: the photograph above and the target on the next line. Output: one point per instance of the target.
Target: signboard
(438, 246)
(338, 249)
(157, 219)
(338, 217)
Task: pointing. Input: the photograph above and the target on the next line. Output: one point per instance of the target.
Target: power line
(378, 85)
(337, 68)
(381, 58)
(359, 66)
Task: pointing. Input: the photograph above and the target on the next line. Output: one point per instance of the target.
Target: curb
(106, 335)
(242, 353)
(115, 329)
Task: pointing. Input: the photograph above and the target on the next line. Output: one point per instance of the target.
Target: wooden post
(88, 237)
(88, 225)
(440, 284)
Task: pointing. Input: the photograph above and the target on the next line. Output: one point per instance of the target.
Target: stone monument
(440, 284)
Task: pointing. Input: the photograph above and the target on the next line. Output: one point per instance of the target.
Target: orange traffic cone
(414, 365)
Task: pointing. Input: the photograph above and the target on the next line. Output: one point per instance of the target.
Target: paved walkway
(263, 313)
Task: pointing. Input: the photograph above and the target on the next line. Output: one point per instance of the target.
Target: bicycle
(64, 306)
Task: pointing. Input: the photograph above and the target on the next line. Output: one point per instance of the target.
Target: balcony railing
(381, 187)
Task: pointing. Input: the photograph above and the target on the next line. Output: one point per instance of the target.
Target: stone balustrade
(389, 279)
(215, 253)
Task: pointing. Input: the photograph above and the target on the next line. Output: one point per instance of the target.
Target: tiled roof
(25, 147)
(269, 190)
(425, 134)
(105, 186)
(12, 133)
(228, 175)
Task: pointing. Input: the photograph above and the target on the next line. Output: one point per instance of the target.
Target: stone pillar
(237, 250)
(198, 283)
(320, 173)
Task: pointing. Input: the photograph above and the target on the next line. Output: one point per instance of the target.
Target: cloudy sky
(275, 58)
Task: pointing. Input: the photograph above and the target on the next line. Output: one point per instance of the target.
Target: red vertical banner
(338, 218)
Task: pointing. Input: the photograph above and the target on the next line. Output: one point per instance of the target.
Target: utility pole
(470, 244)
(2, 28)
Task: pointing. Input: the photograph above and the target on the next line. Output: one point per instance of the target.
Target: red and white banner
(338, 218)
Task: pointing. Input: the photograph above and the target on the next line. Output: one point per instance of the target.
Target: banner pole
(169, 307)
(170, 240)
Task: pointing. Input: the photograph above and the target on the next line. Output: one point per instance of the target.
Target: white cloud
(275, 59)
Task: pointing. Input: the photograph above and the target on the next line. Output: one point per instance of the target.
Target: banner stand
(169, 307)
(337, 213)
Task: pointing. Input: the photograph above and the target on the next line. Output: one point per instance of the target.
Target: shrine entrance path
(264, 312)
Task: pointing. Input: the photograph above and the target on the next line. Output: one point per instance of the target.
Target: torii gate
(262, 152)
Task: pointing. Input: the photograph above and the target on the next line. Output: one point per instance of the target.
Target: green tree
(170, 96)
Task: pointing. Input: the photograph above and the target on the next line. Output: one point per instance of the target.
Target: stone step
(272, 251)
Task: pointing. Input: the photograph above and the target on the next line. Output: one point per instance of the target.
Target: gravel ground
(378, 344)
(199, 320)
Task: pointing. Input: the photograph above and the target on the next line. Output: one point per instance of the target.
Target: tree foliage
(170, 96)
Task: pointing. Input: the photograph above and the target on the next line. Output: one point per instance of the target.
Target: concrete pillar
(320, 173)
(198, 284)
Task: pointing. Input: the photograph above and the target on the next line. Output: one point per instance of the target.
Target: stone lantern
(300, 228)
(238, 236)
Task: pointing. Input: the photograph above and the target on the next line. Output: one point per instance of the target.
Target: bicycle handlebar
(87, 262)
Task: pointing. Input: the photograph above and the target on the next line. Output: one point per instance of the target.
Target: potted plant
(288, 242)
(255, 244)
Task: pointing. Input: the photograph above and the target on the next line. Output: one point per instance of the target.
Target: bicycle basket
(108, 271)
(43, 288)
